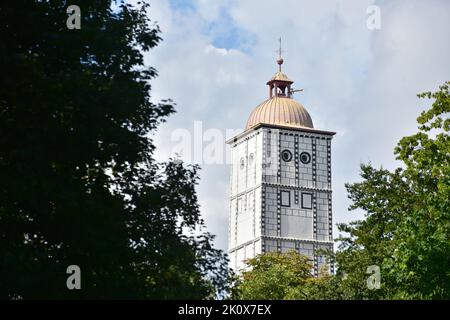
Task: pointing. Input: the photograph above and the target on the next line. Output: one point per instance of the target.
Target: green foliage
(78, 184)
(407, 227)
(274, 276)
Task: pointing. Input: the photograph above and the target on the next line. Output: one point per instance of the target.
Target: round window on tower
(286, 155)
(305, 157)
(242, 162)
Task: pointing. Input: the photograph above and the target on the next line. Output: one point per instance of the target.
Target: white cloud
(361, 83)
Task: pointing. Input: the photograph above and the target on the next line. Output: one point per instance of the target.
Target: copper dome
(282, 111)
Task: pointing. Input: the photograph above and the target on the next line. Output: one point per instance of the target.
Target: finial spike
(279, 50)
(280, 58)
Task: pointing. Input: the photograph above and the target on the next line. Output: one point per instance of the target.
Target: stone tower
(280, 181)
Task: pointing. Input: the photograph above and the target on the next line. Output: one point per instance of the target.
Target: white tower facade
(280, 193)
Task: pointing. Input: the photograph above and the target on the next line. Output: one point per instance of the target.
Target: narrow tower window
(250, 159)
(285, 198)
(306, 200)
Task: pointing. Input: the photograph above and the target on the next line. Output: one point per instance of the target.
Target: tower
(280, 195)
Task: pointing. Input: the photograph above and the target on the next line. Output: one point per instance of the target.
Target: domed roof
(280, 110)
(280, 76)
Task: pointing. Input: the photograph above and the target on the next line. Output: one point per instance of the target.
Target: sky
(360, 64)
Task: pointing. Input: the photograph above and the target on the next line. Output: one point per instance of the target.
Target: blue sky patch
(182, 5)
(222, 32)
(226, 34)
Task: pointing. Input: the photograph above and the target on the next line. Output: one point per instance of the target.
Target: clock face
(286, 155)
(305, 157)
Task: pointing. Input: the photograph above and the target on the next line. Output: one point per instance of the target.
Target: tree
(274, 276)
(78, 183)
(407, 227)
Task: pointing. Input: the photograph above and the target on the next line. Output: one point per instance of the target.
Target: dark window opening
(306, 200)
(285, 198)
